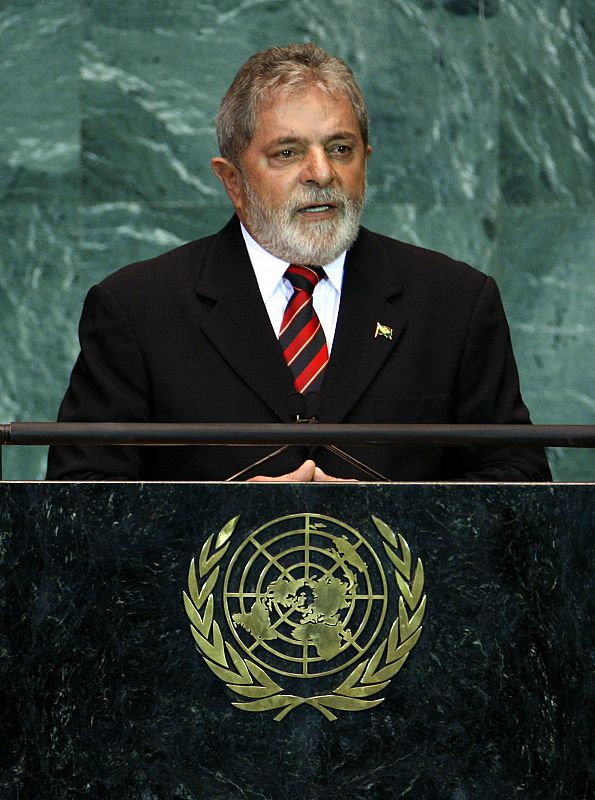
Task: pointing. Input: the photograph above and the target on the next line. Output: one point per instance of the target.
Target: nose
(317, 168)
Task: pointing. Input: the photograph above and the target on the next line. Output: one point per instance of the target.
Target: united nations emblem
(311, 614)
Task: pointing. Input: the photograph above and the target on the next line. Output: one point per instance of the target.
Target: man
(230, 329)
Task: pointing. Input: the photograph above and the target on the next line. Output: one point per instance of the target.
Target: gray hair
(281, 68)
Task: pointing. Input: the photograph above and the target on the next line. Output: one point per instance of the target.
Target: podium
(312, 641)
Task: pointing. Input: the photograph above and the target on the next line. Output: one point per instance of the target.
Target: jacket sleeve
(488, 392)
(108, 384)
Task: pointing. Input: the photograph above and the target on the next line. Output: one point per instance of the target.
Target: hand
(307, 472)
(302, 474)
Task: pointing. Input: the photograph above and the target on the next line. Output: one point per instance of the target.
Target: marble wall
(482, 126)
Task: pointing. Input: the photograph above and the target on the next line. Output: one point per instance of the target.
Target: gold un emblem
(309, 614)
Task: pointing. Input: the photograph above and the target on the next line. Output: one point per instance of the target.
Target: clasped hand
(305, 473)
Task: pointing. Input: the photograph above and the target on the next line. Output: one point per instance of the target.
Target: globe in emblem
(305, 595)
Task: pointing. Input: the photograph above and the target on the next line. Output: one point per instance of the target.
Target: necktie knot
(304, 278)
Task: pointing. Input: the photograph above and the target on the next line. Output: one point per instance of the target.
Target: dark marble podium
(105, 694)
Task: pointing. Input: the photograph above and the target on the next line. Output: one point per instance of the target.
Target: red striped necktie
(302, 337)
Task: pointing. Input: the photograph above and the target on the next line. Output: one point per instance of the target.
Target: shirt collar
(269, 269)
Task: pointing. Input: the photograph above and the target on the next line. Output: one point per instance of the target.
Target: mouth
(318, 210)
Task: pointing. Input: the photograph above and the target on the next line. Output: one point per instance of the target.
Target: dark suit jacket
(185, 337)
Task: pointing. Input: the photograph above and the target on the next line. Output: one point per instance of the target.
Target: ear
(231, 178)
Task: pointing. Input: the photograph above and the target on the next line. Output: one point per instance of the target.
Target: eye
(341, 149)
(287, 153)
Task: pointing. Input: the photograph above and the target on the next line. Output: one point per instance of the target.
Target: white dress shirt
(277, 290)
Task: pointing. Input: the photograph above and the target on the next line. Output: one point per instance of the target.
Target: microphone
(313, 402)
(296, 406)
(304, 407)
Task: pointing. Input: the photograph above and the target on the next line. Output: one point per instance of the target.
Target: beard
(281, 231)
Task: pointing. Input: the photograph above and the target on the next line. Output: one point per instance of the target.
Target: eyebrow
(332, 137)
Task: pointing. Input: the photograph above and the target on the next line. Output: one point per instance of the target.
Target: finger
(320, 476)
(304, 473)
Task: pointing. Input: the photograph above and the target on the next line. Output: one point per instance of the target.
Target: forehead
(305, 111)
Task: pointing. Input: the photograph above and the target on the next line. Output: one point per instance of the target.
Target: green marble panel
(41, 290)
(39, 99)
(116, 234)
(466, 232)
(430, 79)
(148, 119)
(549, 293)
(547, 143)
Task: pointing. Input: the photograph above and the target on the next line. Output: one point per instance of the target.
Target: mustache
(318, 196)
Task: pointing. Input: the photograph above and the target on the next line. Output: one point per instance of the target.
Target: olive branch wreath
(247, 679)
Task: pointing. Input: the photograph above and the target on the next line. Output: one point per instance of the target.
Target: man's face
(301, 186)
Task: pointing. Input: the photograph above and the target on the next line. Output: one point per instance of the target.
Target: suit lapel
(238, 324)
(370, 280)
